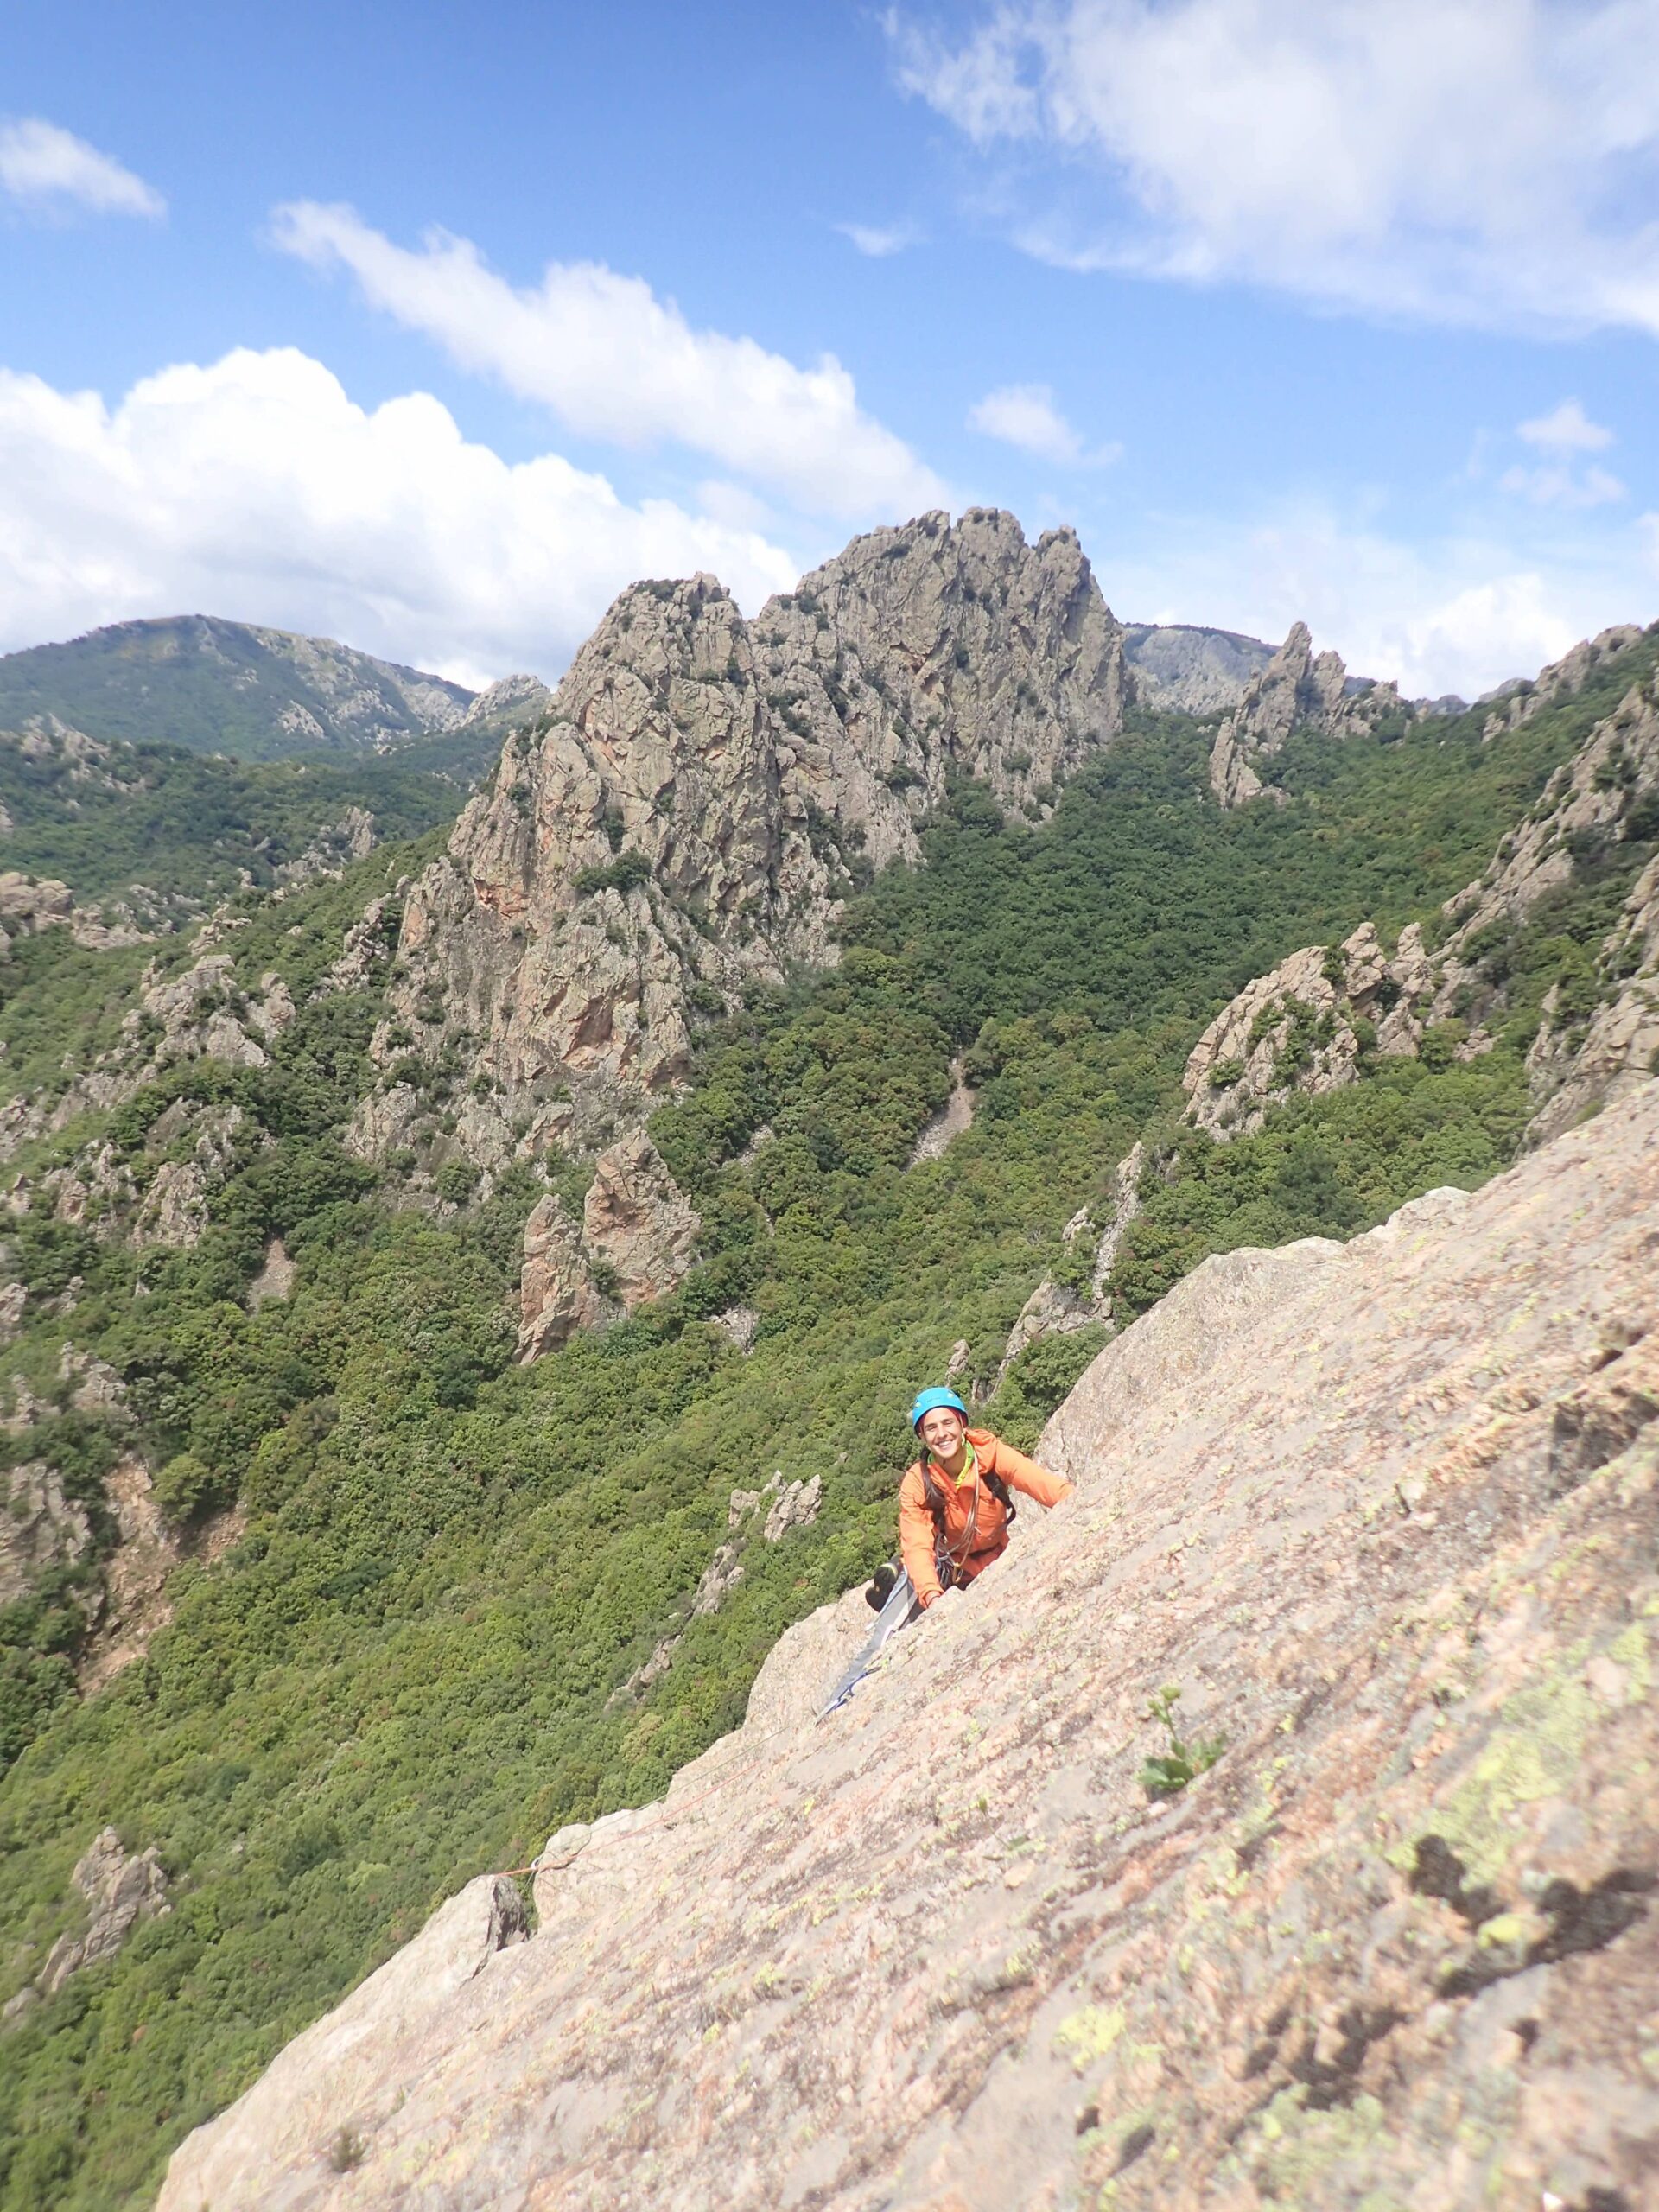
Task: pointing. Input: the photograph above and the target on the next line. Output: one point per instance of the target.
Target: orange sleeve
(916, 1535)
(1023, 1474)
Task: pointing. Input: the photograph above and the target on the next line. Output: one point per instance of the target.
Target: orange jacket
(973, 1504)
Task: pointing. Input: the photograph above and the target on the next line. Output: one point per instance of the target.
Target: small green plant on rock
(345, 2152)
(1168, 1772)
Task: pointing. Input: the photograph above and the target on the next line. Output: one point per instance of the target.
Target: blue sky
(431, 328)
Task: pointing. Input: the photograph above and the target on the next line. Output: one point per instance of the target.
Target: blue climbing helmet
(927, 1399)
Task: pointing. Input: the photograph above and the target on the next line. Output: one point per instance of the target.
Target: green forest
(187, 827)
(416, 1660)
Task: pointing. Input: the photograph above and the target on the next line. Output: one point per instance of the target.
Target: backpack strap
(946, 1565)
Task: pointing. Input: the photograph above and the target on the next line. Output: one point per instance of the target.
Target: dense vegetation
(419, 1655)
(187, 828)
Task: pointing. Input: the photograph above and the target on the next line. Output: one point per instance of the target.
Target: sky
(429, 328)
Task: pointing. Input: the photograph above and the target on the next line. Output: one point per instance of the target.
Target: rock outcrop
(1299, 1028)
(638, 1239)
(1296, 689)
(689, 811)
(1304, 1027)
(119, 1891)
(1386, 1513)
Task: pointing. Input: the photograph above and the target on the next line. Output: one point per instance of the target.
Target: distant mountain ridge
(1187, 669)
(258, 693)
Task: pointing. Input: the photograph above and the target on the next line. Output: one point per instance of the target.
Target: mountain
(458, 1302)
(215, 686)
(1191, 670)
(997, 1934)
(689, 815)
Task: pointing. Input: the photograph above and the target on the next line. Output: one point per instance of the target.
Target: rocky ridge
(1187, 670)
(1306, 1024)
(1297, 689)
(221, 686)
(688, 814)
(1386, 1513)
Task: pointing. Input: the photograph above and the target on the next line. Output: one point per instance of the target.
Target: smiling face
(943, 1429)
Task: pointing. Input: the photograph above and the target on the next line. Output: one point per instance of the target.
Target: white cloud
(43, 165)
(1470, 159)
(255, 488)
(879, 240)
(1457, 614)
(1565, 428)
(1025, 414)
(1561, 484)
(1565, 479)
(615, 362)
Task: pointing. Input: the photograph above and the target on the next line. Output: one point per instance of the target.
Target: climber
(954, 1503)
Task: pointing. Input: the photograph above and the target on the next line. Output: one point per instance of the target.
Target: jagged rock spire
(692, 807)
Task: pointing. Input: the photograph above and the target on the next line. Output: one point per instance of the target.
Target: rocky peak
(1519, 702)
(689, 810)
(1297, 689)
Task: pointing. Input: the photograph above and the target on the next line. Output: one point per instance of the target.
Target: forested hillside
(181, 829)
(212, 686)
(416, 1584)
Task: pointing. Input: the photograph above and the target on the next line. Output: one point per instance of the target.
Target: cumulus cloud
(1025, 414)
(1565, 428)
(1564, 478)
(254, 488)
(41, 165)
(1463, 159)
(615, 362)
(1455, 614)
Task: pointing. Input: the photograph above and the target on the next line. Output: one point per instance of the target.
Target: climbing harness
(948, 1565)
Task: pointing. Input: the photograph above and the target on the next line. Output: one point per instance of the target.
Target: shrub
(456, 1180)
(624, 875)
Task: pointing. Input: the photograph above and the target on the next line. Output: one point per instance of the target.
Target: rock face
(635, 1222)
(120, 1892)
(1304, 1027)
(638, 1238)
(1386, 1514)
(689, 810)
(1295, 688)
(1184, 669)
